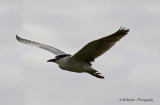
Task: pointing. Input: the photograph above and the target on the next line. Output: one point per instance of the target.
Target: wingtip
(124, 29)
(17, 37)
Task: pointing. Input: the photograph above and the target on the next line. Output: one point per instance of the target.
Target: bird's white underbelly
(75, 66)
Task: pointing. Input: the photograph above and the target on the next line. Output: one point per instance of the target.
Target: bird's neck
(62, 60)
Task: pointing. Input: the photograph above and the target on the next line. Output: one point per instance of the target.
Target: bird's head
(58, 57)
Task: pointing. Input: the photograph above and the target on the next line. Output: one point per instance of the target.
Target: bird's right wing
(45, 47)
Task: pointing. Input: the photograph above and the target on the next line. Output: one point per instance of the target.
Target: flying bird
(80, 62)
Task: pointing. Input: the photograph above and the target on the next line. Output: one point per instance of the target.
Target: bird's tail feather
(96, 74)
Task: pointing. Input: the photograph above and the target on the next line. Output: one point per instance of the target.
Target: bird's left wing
(43, 46)
(97, 47)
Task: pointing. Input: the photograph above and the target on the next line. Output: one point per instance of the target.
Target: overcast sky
(131, 68)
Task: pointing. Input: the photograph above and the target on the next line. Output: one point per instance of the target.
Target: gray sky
(131, 68)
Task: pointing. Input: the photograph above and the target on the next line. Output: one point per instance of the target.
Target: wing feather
(43, 46)
(97, 47)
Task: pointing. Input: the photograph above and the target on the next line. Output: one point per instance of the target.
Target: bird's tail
(96, 74)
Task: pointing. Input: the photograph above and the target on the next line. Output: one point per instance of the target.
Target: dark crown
(61, 56)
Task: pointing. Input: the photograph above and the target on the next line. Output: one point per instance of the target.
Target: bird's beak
(52, 60)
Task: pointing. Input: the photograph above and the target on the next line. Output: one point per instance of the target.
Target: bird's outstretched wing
(97, 47)
(45, 47)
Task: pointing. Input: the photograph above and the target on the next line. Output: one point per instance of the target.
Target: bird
(80, 62)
